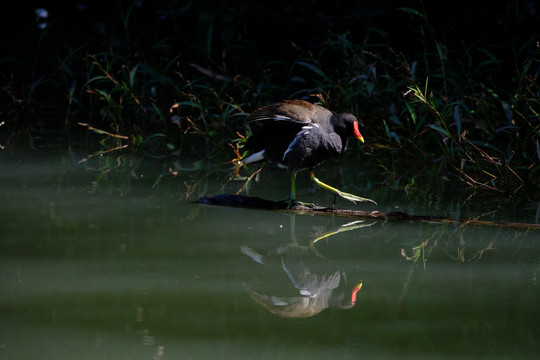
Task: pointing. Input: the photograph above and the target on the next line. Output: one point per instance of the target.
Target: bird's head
(350, 123)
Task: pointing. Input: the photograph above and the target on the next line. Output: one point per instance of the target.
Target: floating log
(249, 202)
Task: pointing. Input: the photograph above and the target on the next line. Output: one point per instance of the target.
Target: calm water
(97, 274)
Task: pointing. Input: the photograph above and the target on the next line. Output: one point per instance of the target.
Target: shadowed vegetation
(450, 91)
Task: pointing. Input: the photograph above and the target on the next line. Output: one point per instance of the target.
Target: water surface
(146, 274)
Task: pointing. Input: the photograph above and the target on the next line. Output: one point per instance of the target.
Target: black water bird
(296, 281)
(298, 135)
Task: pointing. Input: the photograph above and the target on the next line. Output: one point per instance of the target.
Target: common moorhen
(298, 135)
(317, 282)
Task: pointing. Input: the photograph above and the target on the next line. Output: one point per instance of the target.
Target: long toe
(350, 197)
(355, 198)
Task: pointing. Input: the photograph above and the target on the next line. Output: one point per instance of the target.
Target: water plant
(178, 90)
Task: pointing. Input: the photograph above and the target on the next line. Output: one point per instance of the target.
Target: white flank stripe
(290, 146)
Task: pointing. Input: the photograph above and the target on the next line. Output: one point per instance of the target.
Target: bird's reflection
(297, 281)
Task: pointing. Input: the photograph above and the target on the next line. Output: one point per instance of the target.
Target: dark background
(206, 31)
(123, 66)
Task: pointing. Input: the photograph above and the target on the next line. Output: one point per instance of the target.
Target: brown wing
(298, 111)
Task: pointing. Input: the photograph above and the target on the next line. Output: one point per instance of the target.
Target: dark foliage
(452, 84)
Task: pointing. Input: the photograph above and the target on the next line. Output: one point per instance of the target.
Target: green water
(91, 273)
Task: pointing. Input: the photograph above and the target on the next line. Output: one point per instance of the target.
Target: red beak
(357, 132)
(354, 291)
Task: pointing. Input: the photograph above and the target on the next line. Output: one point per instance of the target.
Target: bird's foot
(348, 196)
(354, 198)
(305, 204)
(293, 203)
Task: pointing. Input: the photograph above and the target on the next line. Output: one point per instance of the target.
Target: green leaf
(507, 110)
(158, 111)
(439, 129)
(492, 58)
(132, 74)
(189, 103)
(95, 78)
(411, 11)
(313, 68)
(457, 118)
(155, 135)
(414, 117)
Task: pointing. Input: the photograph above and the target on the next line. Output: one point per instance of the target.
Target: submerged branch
(262, 204)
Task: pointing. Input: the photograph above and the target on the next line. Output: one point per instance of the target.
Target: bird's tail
(253, 158)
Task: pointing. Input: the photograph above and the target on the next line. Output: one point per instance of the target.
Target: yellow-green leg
(292, 196)
(350, 197)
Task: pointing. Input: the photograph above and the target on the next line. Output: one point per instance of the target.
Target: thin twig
(99, 131)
